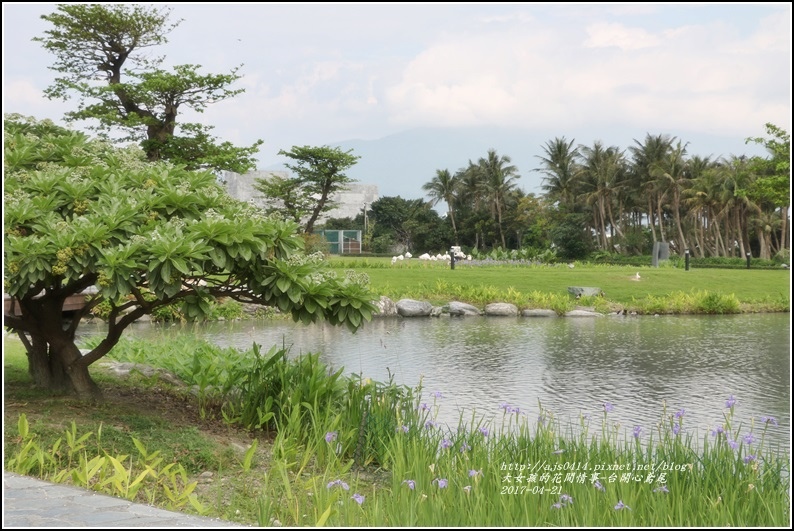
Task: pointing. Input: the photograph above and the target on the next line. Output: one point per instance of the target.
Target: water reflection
(571, 366)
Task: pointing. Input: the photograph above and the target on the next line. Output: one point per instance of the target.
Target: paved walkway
(30, 502)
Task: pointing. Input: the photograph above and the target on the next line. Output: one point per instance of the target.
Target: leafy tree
(571, 237)
(533, 214)
(99, 56)
(80, 213)
(410, 223)
(773, 184)
(319, 173)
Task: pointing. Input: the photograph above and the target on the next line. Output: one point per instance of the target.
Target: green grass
(756, 290)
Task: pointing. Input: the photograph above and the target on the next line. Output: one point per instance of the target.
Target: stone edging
(413, 308)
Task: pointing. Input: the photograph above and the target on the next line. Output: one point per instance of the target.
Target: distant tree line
(601, 199)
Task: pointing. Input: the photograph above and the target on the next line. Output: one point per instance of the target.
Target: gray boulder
(386, 307)
(461, 308)
(124, 369)
(501, 309)
(582, 313)
(578, 291)
(412, 308)
(539, 313)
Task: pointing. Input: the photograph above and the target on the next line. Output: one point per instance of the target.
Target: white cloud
(321, 74)
(605, 35)
(22, 95)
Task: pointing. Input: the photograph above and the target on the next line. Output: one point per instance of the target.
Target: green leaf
(283, 284)
(324, 517)
(22, 426)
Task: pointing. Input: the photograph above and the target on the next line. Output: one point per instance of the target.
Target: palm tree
(444, 187)
(600, 173)
(735, 177)
(702, 200)
(498, 178)
(470, 202)
(672, 176)
(645, 156)
(559, 168)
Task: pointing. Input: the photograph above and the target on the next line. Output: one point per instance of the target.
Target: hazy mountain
(400, 164)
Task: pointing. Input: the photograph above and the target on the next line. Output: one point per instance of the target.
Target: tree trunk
(650, 219)
(54, 361)
(46, 372)
(68, 353)
(83, 384)
(763, 242)
(452, 217)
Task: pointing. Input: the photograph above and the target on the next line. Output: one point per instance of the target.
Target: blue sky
(319, 74)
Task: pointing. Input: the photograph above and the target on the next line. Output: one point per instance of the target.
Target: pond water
(571, 366)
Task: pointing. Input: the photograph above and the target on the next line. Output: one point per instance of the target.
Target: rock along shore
(413, 308)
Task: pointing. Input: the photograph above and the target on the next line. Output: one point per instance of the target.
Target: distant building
(350, 203)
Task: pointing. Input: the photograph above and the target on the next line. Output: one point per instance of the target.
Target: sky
(327, 73)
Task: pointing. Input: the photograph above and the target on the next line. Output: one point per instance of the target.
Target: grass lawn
(414, 278)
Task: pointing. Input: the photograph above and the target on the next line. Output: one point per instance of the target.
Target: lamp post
(365, 218)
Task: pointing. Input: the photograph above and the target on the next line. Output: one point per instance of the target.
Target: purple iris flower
(716, 431)
(437, 394)
(749, 458)
(637, 431)
(748, 439)
(608, 407)
(597, 484)
(473, 473)
(411, 483)
(338, 482)
(769, 420)
(676, 428)
(358, 498)
(330, 436)
(424, 407)
(442, 483)
(556, 506)
(430, 424)
(445, 443)
(464, 447)
(564, 498)
(680, 413)
(484, 431)
(662, 488)
(733, 444)
(621, 505)
(730, 402)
